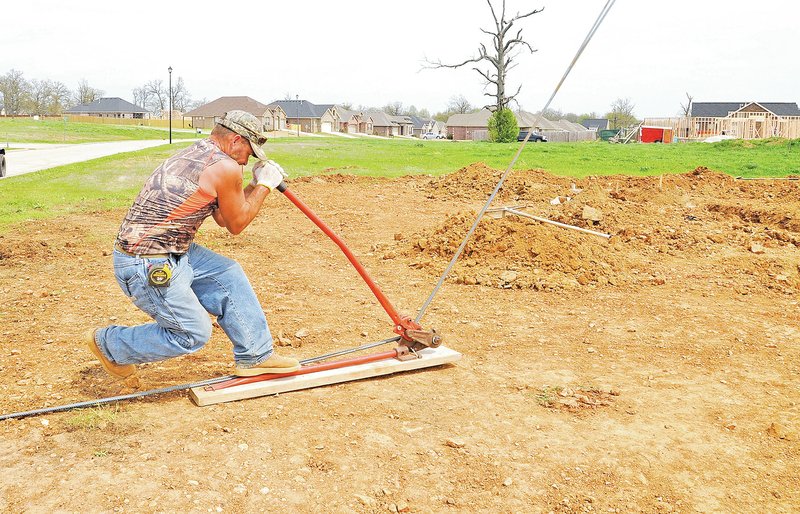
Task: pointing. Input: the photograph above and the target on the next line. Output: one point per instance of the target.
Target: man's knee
(195, 336)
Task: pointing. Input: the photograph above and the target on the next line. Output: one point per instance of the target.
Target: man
(177, 282)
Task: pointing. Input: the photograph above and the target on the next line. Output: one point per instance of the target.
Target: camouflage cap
(247, 126)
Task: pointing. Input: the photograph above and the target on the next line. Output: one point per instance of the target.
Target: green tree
(621, 113)
(503, 126)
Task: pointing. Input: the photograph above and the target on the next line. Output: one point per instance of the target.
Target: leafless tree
(194, 104)
(157, 96)
(506, 47)
(393, 108)
(15, 90)
(39, 96)
(180, 96)
(60, 98)
(686, 108)
(140, 96)
(458, 104)
(87, 94)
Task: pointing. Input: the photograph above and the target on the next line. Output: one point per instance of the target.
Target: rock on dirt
(453, 442)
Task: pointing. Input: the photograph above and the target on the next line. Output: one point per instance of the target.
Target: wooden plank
(429, 357)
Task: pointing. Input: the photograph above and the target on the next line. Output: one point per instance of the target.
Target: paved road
(34, 157)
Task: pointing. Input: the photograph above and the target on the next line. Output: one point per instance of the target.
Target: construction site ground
(657, 371)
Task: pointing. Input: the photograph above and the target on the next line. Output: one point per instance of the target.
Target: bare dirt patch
(657, 371)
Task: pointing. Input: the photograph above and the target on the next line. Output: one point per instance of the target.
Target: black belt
(119, 248)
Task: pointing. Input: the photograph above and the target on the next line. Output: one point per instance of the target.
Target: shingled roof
(224, 104)
(722, 109)
(301, 108)
(110, 104)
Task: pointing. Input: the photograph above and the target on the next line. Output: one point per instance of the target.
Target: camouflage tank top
(170, 208)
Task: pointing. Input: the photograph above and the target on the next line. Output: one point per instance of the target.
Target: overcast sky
(371, 52)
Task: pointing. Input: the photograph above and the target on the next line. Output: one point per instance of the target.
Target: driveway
(28, 157)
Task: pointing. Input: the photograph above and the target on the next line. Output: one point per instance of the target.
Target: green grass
(99, 184)
(90, 419)
(28, 130)
(313, 156)
(112, 182)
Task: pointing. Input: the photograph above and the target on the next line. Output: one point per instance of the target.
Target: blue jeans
(202, 282)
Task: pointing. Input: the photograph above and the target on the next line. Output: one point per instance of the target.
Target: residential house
(354, 122)
(383, 124)
(311, 117)
(425, 125)
(111, 107)
(469, 126)
(596, 124)
(206, 116)
(475, 126)
(744, 120)
(274, 119)
(405, 126)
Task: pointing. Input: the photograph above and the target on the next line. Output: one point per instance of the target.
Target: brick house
(206, 116)
(112, 107)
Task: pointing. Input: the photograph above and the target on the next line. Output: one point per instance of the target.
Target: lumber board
(428, 357)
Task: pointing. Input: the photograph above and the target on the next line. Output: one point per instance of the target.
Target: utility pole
(170, 104)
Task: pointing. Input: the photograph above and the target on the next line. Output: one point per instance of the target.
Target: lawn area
(28, 130)
(312, 156)
(113, 181)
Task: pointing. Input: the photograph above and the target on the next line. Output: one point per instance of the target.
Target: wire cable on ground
(172, 389)
(463, 244)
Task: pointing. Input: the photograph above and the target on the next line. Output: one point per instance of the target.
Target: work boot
(123, 371)
(275, 364)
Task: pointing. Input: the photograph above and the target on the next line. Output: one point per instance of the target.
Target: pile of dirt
(696, 214)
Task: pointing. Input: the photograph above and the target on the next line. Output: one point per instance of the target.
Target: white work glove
(268, 174)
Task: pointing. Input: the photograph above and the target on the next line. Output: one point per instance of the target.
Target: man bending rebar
(178, 282)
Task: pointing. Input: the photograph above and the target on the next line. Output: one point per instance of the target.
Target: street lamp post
(297, 98)
(170, 104)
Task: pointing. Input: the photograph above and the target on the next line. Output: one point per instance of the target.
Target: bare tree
(346, 105)
(686, 108)
(15, 90)
(505, 49)
(194, 104)
(86, 94)
(157, 96)
(393, 108)
(60, 98)
(458, 104)
(140, 96)
(39, 96)
(180, 96)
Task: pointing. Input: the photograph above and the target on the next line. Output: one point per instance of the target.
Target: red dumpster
(655, 135)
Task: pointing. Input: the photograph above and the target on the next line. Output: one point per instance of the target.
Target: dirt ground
(657, 371)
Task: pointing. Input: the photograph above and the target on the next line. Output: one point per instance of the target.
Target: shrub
(503, 126)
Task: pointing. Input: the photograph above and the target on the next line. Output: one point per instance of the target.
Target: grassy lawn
(312, 156)
(112, 182)
(28, 130)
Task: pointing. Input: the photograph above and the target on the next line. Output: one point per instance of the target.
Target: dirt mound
(513, 252)
(694, 215)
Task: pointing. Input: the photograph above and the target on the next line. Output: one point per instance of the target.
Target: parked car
(535, 137)
(432, 135)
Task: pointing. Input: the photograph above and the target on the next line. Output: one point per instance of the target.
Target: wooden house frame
(751, 120)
